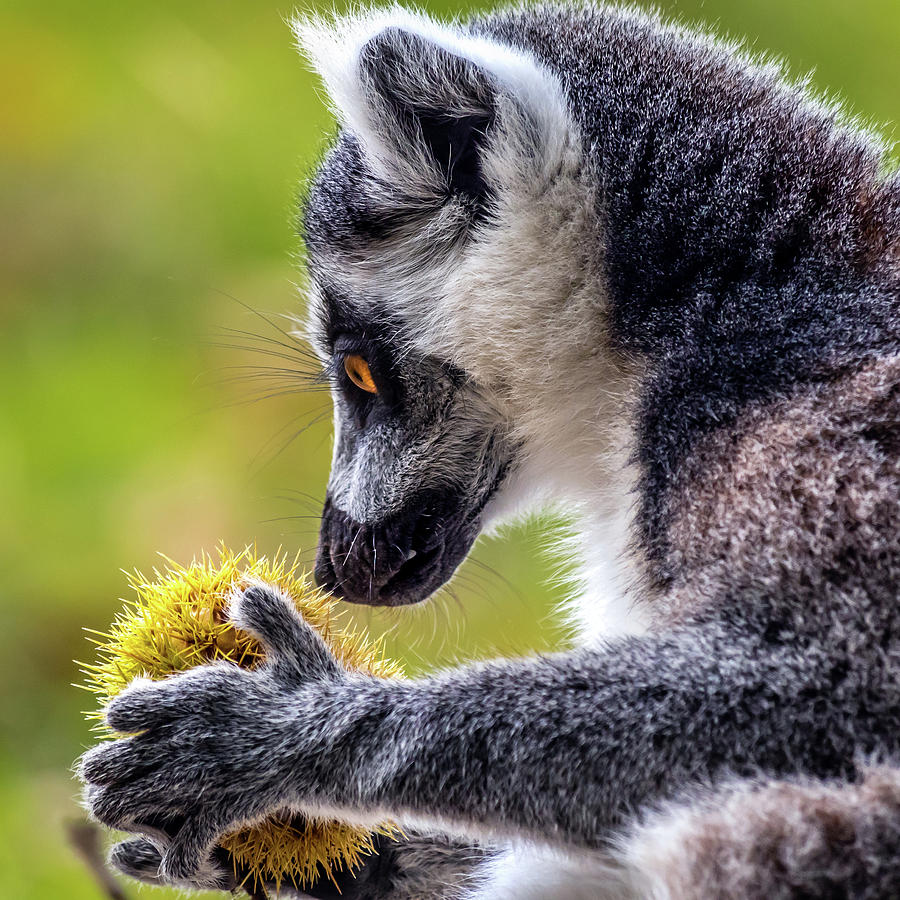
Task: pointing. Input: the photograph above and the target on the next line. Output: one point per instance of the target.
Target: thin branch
(84, 838)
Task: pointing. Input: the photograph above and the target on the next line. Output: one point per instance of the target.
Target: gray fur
(588, 255)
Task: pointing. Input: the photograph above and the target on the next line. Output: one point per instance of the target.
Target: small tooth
(410, 555)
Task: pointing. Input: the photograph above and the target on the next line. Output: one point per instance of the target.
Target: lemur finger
(270, 616)
(137, 858)
(112, 762)
(142, 859)
(188, 857)
(154, 705)
(126, 808)
(143, 705)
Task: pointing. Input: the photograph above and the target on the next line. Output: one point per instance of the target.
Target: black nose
(398, 561)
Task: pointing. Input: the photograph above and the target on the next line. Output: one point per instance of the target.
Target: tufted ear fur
(429, 103)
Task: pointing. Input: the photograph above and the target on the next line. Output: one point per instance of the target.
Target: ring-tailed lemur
(573, 254)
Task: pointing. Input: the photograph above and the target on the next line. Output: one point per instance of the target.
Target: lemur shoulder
(574, 255)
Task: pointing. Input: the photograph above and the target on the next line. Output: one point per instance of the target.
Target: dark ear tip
(422, 84)
(387, 47)
(413, 70)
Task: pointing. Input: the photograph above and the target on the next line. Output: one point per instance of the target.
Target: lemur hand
(141, 858)
(220, 747)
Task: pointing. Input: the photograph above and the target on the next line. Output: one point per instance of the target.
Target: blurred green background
(149, 158)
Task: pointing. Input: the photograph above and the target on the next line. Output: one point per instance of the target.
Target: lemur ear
(428, 95)
(427, 101)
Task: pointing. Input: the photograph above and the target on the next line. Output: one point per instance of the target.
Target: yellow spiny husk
(178, 621)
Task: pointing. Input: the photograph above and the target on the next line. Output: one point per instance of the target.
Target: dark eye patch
(380, 361)
(353, 326)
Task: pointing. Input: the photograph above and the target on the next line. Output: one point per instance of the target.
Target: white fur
(528, 872)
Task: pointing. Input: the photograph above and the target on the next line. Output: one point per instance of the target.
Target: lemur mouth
(404, 559)
(415, 571)
(396, 563)
(415, 580)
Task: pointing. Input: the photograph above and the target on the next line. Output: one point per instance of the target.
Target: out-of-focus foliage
(150, 155)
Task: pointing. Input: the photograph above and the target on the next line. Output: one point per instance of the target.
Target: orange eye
(358, 372)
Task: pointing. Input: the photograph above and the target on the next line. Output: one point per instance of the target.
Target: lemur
(577, 255)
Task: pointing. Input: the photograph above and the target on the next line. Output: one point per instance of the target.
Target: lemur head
(440, 231)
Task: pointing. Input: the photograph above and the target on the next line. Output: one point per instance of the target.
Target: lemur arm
(559, 748)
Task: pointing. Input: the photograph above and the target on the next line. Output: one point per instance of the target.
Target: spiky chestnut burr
(179, 620)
